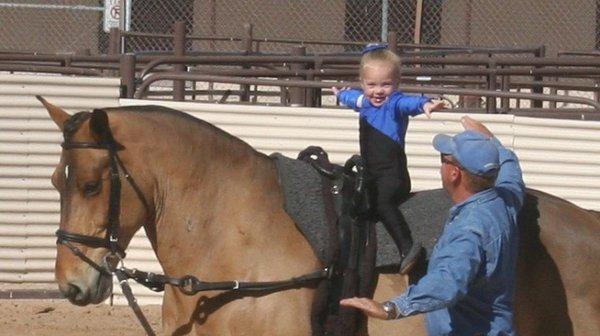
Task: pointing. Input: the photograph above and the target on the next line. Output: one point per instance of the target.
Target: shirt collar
(480, 197)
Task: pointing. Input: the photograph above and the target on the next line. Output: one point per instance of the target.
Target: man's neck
(460, 194)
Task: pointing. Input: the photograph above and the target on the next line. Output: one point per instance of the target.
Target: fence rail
(215, 25)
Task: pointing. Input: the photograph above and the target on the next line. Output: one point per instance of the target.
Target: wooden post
(393, 41)
(418, 21)
(127, 71)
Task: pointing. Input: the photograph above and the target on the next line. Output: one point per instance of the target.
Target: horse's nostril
(72, 291)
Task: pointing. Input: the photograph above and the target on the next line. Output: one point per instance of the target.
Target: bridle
(111, 240)
(188, 284)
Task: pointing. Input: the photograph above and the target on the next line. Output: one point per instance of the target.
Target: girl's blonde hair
(381, 55)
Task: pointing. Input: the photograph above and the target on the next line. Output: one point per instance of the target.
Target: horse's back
(557, 290)
(557, 286)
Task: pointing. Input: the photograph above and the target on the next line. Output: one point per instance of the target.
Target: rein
(188, 284)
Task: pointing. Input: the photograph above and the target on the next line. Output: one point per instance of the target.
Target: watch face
(390, 309)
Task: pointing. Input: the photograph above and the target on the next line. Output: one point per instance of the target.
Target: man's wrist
(390, 309)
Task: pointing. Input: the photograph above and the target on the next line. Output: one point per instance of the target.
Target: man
(470, 282)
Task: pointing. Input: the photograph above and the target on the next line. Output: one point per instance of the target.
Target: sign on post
(112, 14)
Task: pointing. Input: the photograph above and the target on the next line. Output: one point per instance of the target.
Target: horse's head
(93, 230)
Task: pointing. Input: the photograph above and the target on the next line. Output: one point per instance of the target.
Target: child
(384, 115)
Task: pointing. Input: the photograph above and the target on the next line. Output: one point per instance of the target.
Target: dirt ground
(49, 317)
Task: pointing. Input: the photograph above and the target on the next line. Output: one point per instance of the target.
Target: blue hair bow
(373, 47)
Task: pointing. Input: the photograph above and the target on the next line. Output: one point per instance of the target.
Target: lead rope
(122, 277)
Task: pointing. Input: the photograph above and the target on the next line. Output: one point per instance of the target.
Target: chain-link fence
(77, 25)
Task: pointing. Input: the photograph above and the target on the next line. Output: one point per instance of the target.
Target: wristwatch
(390, 309)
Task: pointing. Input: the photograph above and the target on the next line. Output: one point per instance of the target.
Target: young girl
(384, 115)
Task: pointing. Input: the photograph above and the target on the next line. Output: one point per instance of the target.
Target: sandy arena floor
(45, 317)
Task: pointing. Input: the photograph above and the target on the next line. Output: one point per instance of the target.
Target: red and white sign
(112, 14)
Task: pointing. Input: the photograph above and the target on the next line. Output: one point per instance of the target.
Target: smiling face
(378, 80)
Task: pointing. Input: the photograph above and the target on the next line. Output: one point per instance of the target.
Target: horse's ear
(99, 125)
(58, 115)
(101, 129)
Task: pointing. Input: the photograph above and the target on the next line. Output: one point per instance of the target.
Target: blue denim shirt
(470, 282)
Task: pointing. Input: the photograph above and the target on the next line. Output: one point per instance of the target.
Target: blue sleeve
(351, 98)
(509, 182)
(410, 105)
(456, 264)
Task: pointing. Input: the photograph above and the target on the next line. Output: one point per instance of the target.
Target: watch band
(390, 309)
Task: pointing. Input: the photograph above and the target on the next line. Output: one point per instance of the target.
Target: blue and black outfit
(382, 133)
(470, 282)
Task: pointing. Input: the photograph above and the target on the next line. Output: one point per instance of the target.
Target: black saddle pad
(424, 212)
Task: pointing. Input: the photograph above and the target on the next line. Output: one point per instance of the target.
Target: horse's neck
(210, 194)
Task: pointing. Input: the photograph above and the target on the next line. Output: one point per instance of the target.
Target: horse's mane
(166, 112)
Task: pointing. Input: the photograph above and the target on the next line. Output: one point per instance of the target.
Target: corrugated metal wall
(29, 150)
(558, 156)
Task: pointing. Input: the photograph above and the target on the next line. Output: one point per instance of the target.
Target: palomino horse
(212, 207)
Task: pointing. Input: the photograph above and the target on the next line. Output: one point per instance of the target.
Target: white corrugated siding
(557, 156)
(29, 150)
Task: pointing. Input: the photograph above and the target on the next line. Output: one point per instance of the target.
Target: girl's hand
(337, 91)
(430, 107)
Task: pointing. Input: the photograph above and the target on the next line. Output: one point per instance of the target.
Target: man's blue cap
(373, 46)
(472, 150)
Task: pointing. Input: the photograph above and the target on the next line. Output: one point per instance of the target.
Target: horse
(212, 207)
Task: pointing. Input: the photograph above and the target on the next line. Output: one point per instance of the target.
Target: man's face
(449, 171)
(378, 82)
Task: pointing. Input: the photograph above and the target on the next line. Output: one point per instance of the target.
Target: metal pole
(179, 50)
(468, 17)
(385, 5)
(247, 49)
(490, 102)
(114, 41)
(123, 23)
(541, 53)
(298, 94)
(504, 101)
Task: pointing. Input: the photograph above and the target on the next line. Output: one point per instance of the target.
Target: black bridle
(111, 240)
(188, 284)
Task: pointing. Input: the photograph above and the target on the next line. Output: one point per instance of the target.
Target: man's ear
(456, 174)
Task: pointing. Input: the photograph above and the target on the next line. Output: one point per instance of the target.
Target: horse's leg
(389, 286)
(177, 313)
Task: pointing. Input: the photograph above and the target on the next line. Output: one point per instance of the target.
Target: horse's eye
(91, 188)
